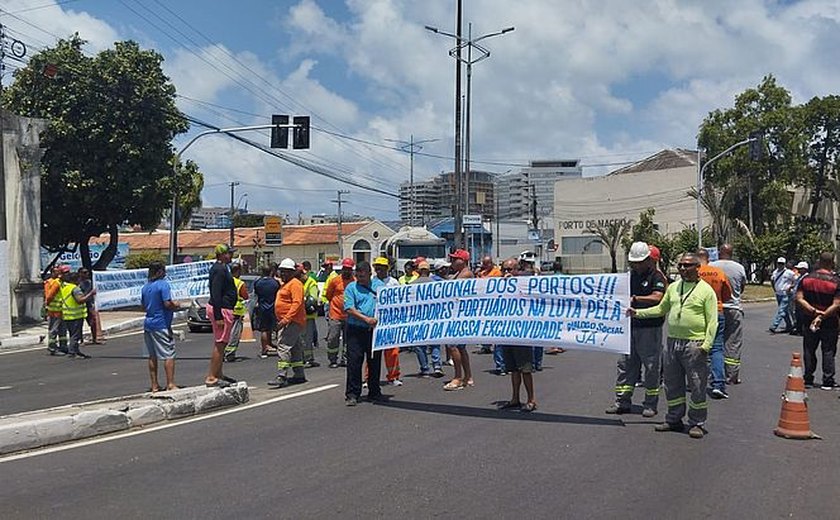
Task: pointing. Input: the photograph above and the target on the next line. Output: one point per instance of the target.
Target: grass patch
(758, 292)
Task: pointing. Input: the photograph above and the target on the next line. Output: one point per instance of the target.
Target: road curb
(37, 429)
(21, 341)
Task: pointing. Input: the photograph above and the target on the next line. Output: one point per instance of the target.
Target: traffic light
(279, 135)
(300, 132)
(756, 146)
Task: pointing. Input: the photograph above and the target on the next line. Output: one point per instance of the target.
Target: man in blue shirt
(156, 297)
(360, 305)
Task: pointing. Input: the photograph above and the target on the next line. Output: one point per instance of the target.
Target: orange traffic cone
(793, 421)
(247, 332)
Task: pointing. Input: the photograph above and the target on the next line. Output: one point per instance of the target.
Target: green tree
(248, 220)
(108, 154)
(142, 260)
(611, 235)
(821, 128)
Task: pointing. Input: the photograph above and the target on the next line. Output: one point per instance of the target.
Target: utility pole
(338, 201)
(459, 216)
(496, 238)
(233, 186)
(411, 147)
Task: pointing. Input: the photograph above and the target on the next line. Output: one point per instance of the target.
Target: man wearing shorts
(156, 297)
(220, 310)
(519, 362)
(265, 321)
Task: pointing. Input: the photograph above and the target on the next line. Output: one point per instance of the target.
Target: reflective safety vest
(71, 309)
(239, 308)
(55, 304)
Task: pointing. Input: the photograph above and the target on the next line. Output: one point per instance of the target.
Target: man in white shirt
(783, 280)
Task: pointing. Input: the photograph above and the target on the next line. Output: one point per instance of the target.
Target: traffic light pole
(173, 228)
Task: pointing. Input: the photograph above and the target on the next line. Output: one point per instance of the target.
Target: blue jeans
(783, 313)
(423, 359)
(499, 358)
(716, 357)
(538, 357)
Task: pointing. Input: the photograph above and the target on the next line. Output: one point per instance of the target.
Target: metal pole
(700, 182)
(340, 238)
(458, 237)
(233, 186)
(497, 238)
(467, 167)
(749, 200)
(411, 204)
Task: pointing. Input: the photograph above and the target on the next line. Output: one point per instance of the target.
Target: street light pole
(233, 186)
(173, 228)
(411, 147)
(700, 183)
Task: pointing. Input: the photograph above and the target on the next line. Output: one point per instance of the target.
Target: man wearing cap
(715, 277)
(528, 267)
(410, 273)
(220, 311)
(441, 270)
(460, 357)
(422, 357)
(782, 279)
(733, 314)
(57, 342)
(819, 298)
(391, 355)
(647, 287)
(291, 319)
(238, 312)
(334, 292)
(360, 304)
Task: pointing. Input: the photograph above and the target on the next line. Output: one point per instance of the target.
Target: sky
(606, 82)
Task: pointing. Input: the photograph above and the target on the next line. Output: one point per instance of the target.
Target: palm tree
(610, 234)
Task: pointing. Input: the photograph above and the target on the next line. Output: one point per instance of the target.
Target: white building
(516, 191)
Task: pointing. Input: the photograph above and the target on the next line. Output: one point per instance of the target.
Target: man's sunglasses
(507, 269)
(686, 265)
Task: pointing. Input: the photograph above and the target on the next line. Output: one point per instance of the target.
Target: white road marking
(6, 387)
(166, 425)
(44, 347)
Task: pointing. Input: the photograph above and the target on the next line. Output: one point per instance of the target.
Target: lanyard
(684, 299)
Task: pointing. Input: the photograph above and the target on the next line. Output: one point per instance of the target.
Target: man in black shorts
(265, 320)
(519, 362)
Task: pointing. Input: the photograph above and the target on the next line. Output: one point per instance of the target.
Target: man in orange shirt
(334, 293)
(715, 277)
(291, 319)
(490, 270)
(57, 342)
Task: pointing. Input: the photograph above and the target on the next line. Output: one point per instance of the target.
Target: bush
(142, 260)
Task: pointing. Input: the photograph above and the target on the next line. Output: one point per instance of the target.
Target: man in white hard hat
(783, 279)
(291, 319)
(647, 287)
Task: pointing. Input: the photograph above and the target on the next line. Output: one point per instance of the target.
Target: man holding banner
(360, 306)
(691, 307)
(519, 362)
(460, 357)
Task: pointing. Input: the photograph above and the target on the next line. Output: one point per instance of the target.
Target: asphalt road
(429, 453)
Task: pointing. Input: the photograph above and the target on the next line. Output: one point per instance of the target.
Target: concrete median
(37, 429)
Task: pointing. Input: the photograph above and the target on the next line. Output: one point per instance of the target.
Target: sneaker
(669, 427)
(278, 382)
(639, 384)
(450, 362)
(351, 401)
(648, 413)
(696, 432)
(311, 364)
(296, 380)
(438, 373)
(424, 374)
(617, 410)
(342, 364)
(828, 386)
(333, 364)
(538, 369)
(230, 357)
(809, 384)
(395, 382)
(81, 355)
(717, 393)
(364, 384)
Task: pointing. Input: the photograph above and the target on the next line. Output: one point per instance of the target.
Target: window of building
(584, 245)
(361, 251)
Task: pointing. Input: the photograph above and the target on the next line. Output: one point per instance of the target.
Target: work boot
(669, 427)
(648, 413)
(696, 432)
(617, 410)
(278, 382)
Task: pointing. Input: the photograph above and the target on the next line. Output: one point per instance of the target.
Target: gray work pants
(336, 342)
(57, 333)
(309, 340)
(645, 350)
(235, 335)
(733, 342)
(290, 351)
(686, 369)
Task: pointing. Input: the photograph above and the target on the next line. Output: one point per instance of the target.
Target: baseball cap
(528, 256)
(654, 252)
(224, 248)
(348, 262)
(441, 263)
(781, 260)
(460, 254)
(802, 265)
(419, 259)
(381, 260)
(423, 265)
(638, 252)
(287, 263)
(64, 269)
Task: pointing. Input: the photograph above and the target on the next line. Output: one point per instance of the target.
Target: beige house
(661, 181)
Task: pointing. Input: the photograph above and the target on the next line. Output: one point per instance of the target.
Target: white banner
(115, 289)
(584, 312)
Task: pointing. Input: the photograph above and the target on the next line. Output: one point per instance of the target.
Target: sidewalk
(111, 322)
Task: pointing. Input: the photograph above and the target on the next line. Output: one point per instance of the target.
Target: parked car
(197, 319)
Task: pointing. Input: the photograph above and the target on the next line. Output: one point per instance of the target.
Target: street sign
(273, 228)
(472, 220)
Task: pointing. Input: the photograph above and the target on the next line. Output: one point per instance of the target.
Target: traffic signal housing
(756, 146)
(279, 135)
(300, 132)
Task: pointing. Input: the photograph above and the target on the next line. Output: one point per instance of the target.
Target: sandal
(452, 385)
(510, 405)
(529, 406)
(470, 382)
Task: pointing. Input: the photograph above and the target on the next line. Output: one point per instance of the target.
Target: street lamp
(411, 147)
(469, 43)
(173, 228)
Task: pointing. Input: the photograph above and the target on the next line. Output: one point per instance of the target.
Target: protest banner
(116, 289)
(74, 258)
(584, 312)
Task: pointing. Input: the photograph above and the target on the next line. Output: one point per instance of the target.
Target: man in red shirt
(818, 297)
(291, 319)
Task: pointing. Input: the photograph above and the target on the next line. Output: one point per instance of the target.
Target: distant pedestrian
(239, 311)
(334, 292)
(423, 270)
(410, 273)
(460, 357)
(86, 285)
(57, 331)
(715, 277)
(74, 312)
(799, 270)
(223, 296)
(782, 279)
(691, 308)
(311, 297)
(291, 319)
(265, 321)
(528, 267)
(519, 363)
(733, 313)
(156, 297)
(360, 306)
(819, 298)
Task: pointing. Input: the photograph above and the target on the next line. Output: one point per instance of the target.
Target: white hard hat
(802, 265)
(781, 260)
(439, 263)
(287, 263)
(638, 252)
